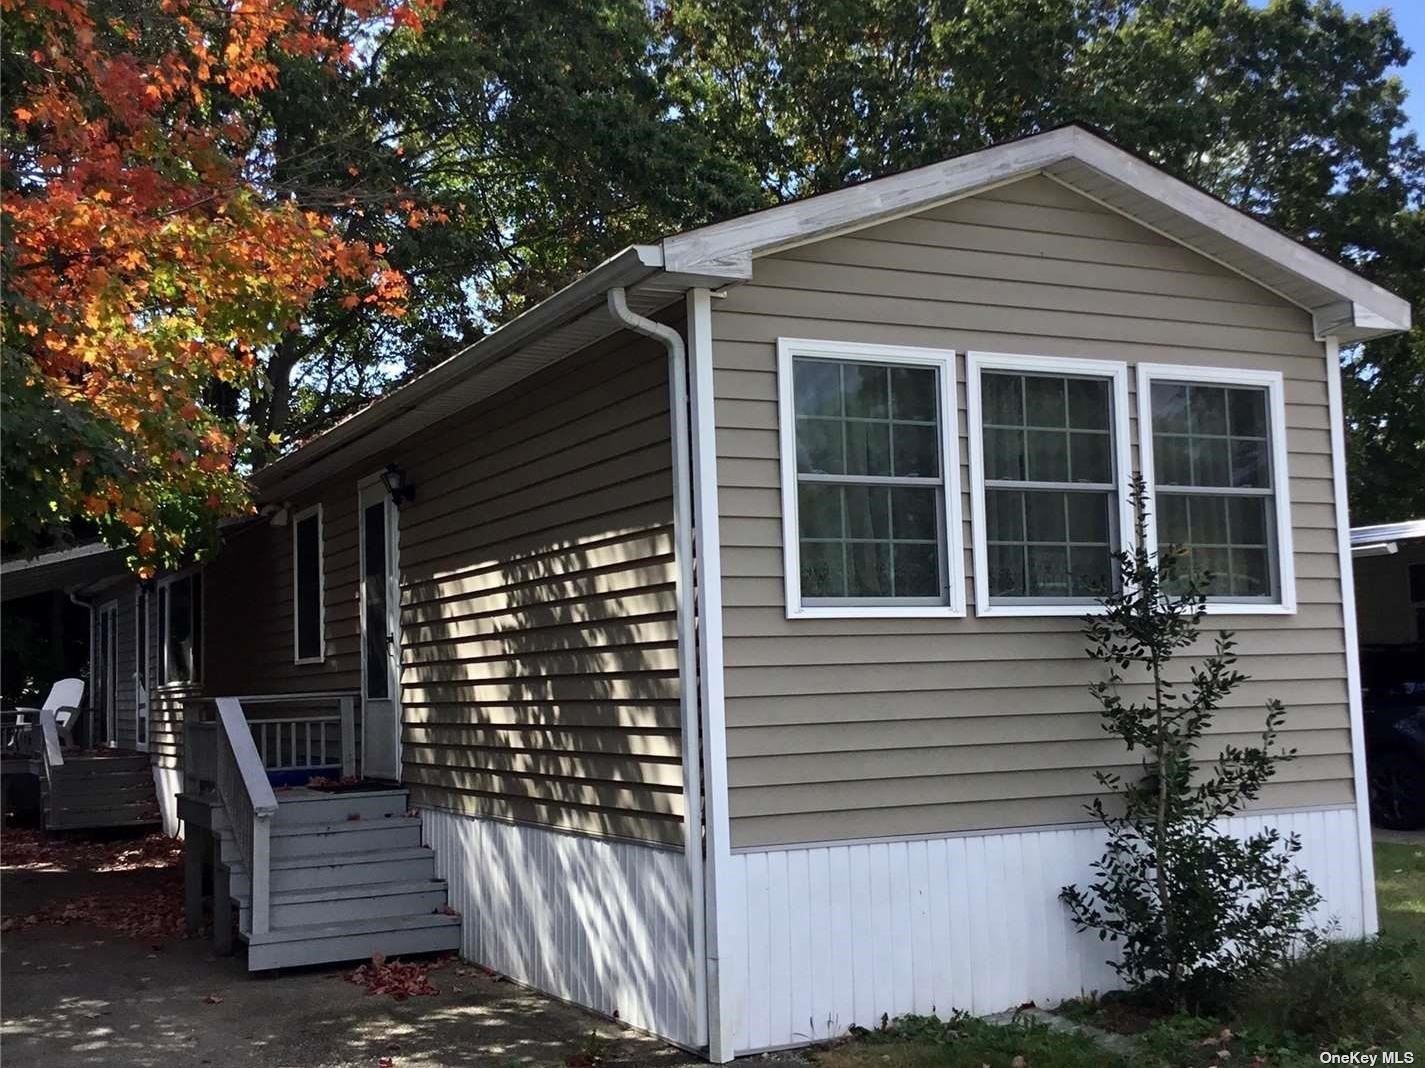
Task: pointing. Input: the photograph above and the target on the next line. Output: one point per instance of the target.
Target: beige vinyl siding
(539, 644)
(875, 727)
(538, 635)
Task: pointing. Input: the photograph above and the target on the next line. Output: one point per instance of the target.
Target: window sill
(308, 660)
(1010, 611)
(1250, 609)
(850, 611)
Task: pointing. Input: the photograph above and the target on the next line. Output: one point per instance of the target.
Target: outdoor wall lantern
(398, 485)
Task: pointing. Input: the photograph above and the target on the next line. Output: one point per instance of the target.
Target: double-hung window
(1048, 460)
(308, 618)
(1214, 455)
(870, 486)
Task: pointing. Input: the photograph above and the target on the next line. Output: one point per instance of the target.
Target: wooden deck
(90, 789)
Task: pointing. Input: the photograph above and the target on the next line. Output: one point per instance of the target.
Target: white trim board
(1116, 372)
(942, 361)
(841, 934)
(1272, 382)
(723, 930)
(1366, 857)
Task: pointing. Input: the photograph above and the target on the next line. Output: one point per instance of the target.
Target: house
(720, 614)
(1390, 583)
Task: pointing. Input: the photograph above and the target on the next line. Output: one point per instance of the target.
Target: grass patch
(1400, 889)
(966, 1042)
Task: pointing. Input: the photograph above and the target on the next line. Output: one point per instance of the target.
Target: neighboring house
(1390, 583)
(732, 656)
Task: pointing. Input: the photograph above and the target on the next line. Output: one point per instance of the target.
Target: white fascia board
(1349, 307)
(731, 245)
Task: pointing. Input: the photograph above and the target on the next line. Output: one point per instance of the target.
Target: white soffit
(1343, 304)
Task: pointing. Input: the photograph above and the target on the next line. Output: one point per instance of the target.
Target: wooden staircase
(104, 789)
(348, 877)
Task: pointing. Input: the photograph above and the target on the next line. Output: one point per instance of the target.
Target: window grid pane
(1215, 498)
(871, 499)
(1046, 543)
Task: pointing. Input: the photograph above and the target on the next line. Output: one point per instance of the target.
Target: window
(308, 623)
(1048, 456)
(869, 480)
(180, 619)
(1214, 458)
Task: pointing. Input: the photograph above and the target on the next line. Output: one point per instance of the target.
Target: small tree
(1193, 908)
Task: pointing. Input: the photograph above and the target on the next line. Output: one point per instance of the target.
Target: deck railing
(241, 782)
(293, 732)
(299, 732)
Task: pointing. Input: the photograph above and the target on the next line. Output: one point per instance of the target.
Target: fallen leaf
(213, 999)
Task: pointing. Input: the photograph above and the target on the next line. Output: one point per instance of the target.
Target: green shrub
(1191, 908)
(1341, 995)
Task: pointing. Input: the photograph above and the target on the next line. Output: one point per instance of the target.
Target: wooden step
(323, 839)
(338, 904)
(341, 869)
(289, 947)
(75, 767)
(310, 806)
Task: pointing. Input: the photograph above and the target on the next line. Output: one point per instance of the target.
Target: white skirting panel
(601, 923)
(837, 935)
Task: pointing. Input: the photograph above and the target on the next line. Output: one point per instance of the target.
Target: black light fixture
(398, 485)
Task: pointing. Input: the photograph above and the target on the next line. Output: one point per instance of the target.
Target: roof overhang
(1343, 305)
(1381, 539)
(562, 324)
(66, 569)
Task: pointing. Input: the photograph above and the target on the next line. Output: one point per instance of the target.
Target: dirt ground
(79, 995)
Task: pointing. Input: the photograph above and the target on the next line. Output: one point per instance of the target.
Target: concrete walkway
(77, 996)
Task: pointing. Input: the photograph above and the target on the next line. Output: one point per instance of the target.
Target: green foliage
(1192, 909)
(965, 1041)
(551, 134)
(1342, 995)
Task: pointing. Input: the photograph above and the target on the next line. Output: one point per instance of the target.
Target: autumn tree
(149, 260)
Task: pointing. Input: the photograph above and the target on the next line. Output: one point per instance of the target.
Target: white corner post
(722, 996)
(687, 639)
(1353, 650)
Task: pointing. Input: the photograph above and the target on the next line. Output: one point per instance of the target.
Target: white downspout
(687, 639)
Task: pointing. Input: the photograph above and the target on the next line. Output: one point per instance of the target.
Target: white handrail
(250, 803)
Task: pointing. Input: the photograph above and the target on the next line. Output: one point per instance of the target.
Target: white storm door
(380, 635)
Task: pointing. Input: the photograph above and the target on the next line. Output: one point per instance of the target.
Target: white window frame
(1273, 383)
(1116, 371)
(297, 658)
(199, 638)
(943, 362)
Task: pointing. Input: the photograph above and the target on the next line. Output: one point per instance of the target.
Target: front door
(141, 668)
(106, 675)
(380, 635)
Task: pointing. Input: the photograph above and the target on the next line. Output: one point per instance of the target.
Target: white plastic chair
(63, 701)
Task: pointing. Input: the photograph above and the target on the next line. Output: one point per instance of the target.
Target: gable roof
(1343, 305)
